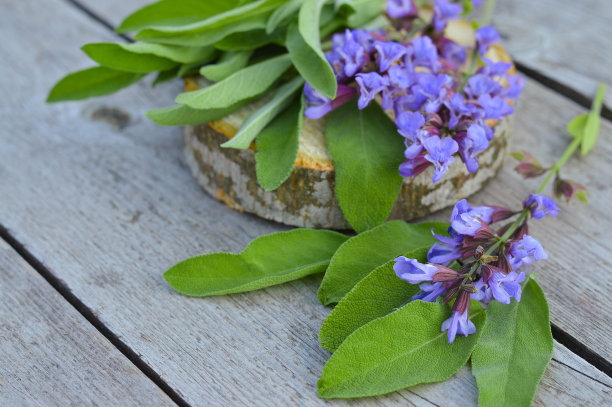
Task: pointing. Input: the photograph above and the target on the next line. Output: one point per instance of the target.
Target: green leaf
(264, 115)
(247, 83)
(365, 11)
(183, 55)
(366, 150)
(183, 115)
(168, 75)
(576, 126)
(249, 40)
(282, 15)
(591, 128)
(268, 260)
(97, 81)
(277, 147)
(399, 350)
(229, 63)
(363, 253)
(249, 16)
(517, 155)
(581, 195)
(115, 56)
(304, 45)
(174, 13)
(378, 294)
(514, 349)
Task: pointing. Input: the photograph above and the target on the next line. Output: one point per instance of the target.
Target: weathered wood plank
(53, 356)
(107, 208)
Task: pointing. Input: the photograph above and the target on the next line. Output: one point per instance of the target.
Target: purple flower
(541, 205)
(458, 108)
(447, 249)
(318, 105)
(401, 8)
(370, 84)
(429, 292)
(413, 167)
(494, 107)
(440, 154)
(471, 145)
(424, 53)
(483, 292)
(495, 68)
(443, 12)
(452, 52)
(388, 53)
(434, 87)
(465, 219)
(408, 124)
(515, 86)
(526, 251)
(352, 53)
(409, 101)
(458, 324)
(485, 37)
(401, 77)
(413, 271)
(503, 287)
(481, 84)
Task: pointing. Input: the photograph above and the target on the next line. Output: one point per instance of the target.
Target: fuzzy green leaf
(514, 349)
(183, 55)
(117, 57)
(365, 11)
(399, 350)
(229, 63)
(304, 45)
(378, 294)
(182, 115)
(591, 128)
(576, 126)
(277, 147)
(250, 40)
(363, 253)
(282, 15)
(366, 150)
(245, 84)
(91, 82)
(174, 13)
(264, 115)
(246, 17)
(268, 260)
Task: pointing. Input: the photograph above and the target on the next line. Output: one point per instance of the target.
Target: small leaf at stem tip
(268, 260)
(591, 128)
(517, 155)
(576, 127)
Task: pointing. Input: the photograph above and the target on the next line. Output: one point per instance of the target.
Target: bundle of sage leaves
(416, 302)
(314, 59)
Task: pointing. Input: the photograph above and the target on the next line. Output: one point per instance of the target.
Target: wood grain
(52, 356)
(107, 206)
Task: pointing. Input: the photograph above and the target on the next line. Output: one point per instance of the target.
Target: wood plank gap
(581, 350)
(91, 14)
(65, 292)
(564, 90)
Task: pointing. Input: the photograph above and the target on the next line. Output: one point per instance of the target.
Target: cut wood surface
(103, 198)
(52, 356)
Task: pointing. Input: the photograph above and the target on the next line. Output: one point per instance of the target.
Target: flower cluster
(475, 262)
(439, 108)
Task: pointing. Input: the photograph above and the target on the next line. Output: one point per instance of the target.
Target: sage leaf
(366, 150)
(116, 57)
(248, 16)
(183, 55)
(363, 253)
(591, 128)
(174, 13)
(168, 75)
(247, 83)
(304, 45)
(182, 115)
(268, 260)
(282, 15)
(402, 349)
(249, 40)
(96, 81)
(365, 11)
(228, 63)
(376, 295)
(514, 349)
(264, 115)
(576, 126)
(277, 147)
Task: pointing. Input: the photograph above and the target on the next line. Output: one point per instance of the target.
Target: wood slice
(307, 198)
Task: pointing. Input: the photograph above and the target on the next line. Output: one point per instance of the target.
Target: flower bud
(566, 188)
(529, 166)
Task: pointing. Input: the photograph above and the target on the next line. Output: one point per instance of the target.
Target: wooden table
(96, 202)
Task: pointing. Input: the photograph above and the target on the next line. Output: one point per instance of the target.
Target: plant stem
(488, 10)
